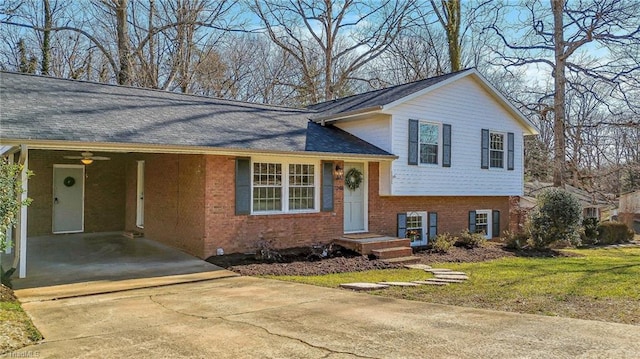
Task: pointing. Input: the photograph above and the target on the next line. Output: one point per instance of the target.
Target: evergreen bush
(556, 218)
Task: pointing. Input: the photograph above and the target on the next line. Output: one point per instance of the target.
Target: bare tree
(561, 36)
(331, 40)
(449, 14)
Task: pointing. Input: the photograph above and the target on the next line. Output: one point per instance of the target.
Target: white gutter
(178, 149)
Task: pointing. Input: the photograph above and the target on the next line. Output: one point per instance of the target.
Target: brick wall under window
(453, 211)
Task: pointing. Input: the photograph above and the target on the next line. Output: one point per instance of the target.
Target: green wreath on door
(353, 179)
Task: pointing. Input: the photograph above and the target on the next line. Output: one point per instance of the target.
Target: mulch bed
(295, 261)
(6, 294)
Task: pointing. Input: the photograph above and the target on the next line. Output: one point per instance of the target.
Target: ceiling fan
(87, 158)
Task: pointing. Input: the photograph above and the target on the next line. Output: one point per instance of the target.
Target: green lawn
(16, 329)
(599, 284)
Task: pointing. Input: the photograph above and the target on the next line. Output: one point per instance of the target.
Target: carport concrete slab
(98, 287)
(245, 317)
(60, 266)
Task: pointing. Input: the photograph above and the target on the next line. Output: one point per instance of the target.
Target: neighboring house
(437, 155)
(594, 205)
(629, 210)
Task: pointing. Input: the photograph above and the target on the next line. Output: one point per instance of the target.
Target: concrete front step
(365, 246)
(393, 252)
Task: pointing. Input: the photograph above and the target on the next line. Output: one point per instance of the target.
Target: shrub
(614, 233)
(556, 218)
(513, 240)
(470, 240)
(589, 235)
(443, 242)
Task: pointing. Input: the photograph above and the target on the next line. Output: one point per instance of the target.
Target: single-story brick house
(201, 174)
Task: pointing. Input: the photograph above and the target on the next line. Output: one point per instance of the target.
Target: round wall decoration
(353, 179)
(69, 181)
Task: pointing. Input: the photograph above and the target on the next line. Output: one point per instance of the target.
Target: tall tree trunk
(46, 38)
(153, 70)
(449, 18)
(560, 80)
(328, 53)
(124, 74)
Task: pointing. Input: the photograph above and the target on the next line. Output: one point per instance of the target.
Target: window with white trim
(496, 150)
(267, 187)
(294, 191)
(429, 134)
(415, 226)
(301, 186)
(482, 222)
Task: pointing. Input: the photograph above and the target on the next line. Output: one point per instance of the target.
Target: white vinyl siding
(376, 130)
(464, 177)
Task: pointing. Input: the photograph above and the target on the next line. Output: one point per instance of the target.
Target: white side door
(354, 202)
(68, 198)
(140, 196)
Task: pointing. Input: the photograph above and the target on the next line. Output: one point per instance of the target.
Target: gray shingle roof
(44, 108)
(376, 98)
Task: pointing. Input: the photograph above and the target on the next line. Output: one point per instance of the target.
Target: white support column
(22, 270)
(9, 238)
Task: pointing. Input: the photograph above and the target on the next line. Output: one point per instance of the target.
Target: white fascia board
(175, 149)
(524, 121)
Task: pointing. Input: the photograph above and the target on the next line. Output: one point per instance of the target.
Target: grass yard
(16, 329)
(599, 284)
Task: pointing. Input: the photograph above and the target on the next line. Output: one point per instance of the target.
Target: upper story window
(429, 135)
(496, 150)
(275, 192)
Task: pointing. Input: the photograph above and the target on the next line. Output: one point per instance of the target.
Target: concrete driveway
(245, 317)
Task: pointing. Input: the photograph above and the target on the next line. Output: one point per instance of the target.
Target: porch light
(86, 161)
(339, 172)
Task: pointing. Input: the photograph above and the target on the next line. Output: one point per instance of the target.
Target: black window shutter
(327, 186)
(243, 186)
(495, 229)
(433, 225)
(402, 225)
(413, 142)
(484, 163)
(472, 221)
(446, 145)
(510, 151)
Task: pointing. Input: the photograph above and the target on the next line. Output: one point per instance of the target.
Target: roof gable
(388, 98)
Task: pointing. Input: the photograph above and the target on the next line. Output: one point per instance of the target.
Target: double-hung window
(482, 222)
(429, 135)
(278, 191)
(496, 150)
(267, 187)
(301, 186)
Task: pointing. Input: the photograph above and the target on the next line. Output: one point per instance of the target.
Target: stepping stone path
(399, 284)
(363, 286)
(442, 276)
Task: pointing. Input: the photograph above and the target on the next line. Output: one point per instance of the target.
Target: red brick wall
(104, 188)
(238, 234)
(174, 200)
(453, 211)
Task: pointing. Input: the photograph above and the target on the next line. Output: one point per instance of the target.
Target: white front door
(354, 202)
(140, 196)
(68, 198)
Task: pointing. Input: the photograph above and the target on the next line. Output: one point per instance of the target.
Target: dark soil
(301, 261)
(6, 294)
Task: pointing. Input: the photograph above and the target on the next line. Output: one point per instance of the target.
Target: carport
(109, 260)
